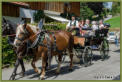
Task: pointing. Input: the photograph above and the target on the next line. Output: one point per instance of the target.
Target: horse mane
(32, 27)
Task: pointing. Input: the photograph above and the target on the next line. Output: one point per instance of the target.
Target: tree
(97, 7)
(85, 12)
(38, 15)
(115, 8)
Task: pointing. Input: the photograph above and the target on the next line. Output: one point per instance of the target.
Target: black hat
(73, 15)
(107, 24)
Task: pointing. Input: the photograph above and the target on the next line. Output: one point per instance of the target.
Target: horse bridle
(26, 33)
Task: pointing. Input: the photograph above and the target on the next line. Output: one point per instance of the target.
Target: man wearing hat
(73, 23)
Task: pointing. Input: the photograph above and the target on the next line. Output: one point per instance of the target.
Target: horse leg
(19, 60)
(59, 64)
(71, 60)
(12, 77)
(22, 66)
(70, 49)
(44, 59)
(34, 66)
(46, 64)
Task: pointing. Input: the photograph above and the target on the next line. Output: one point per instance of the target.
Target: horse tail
(71, 43)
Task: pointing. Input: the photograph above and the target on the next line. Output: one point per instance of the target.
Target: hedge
(8, 54)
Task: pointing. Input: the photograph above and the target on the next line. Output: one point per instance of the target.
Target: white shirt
(68, 25)
(94, 27)
(101, 26)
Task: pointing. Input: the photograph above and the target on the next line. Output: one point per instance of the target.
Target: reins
(29, 38)
(9, 35)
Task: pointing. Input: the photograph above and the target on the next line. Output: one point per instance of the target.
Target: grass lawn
(114, 22)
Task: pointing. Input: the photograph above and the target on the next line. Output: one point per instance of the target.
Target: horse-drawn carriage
(83, 49)
(82, 46)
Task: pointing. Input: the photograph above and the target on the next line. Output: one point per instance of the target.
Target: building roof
(55, 16)
(20, 4)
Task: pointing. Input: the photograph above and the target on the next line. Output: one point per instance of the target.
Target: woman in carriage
(81, 24)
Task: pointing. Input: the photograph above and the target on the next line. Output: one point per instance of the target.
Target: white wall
(12, 19)
(27, 13)
(24, 13)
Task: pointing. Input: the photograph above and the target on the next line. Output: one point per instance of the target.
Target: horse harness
(39, 41)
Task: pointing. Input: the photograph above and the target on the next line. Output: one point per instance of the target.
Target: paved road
(100, 70)
(108, 17)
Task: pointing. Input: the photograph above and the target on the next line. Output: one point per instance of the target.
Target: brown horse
(64, 41)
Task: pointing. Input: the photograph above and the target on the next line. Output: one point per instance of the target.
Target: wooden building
(12, 8)
(74, 7)
(20, 9)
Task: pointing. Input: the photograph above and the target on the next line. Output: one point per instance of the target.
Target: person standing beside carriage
(73, 23)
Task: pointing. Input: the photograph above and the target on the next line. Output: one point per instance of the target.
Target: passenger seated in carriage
(101, 25)
(81, 24)
(94, 25)
(106, 25)
(87, 23)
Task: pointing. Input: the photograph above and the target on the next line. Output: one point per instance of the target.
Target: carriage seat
(89, 28)
(101, 32)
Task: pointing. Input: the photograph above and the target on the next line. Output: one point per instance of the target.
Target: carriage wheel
(63, 58)
(104, 49)
(87, 56)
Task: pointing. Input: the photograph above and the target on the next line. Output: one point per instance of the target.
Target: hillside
(114, 22)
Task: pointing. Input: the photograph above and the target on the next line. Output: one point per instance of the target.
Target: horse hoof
(102, 59)
(41, 77)
(70, 69)
(86, 66)
(91, 63)
(22, 74)
(47, 69)
(57, 73)
(12, 78)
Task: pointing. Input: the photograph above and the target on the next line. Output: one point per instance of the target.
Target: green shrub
(55, 26)
(8, 55)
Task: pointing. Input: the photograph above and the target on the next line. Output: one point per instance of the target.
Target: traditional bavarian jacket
(72, 23)
(86, 26)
